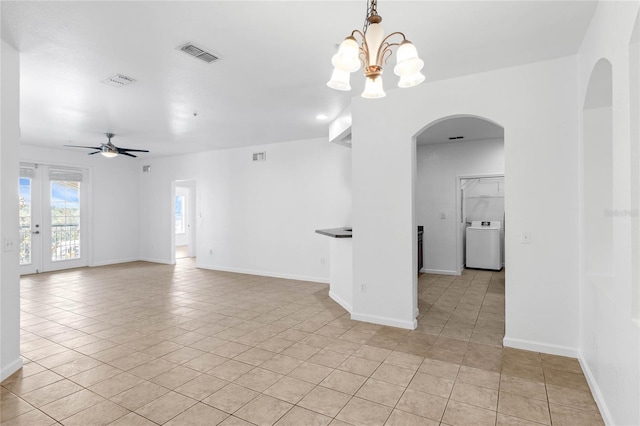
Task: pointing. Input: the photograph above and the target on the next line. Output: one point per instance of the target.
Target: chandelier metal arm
(384, 51)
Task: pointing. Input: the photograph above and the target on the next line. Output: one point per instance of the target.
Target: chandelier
(372, 53)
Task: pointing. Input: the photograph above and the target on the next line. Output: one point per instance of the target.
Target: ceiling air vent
(198, 52)
(260, 156)
(118, 80)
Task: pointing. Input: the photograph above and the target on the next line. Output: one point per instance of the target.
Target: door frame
(191, 186)
(459, 233)
(86, 216)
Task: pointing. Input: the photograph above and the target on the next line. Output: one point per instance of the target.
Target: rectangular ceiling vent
(118, 80)
(198, 52)
(260, 156)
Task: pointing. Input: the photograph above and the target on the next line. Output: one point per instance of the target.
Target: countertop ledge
(344, 232)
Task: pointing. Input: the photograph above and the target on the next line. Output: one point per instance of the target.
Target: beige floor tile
(422, 404)
(95, 375)
(343, 381)
(198, 415)
(299, 416)
(102, 413)
(505, 420)
(52, 392)
(393, 374)
(475, 395)
(301, 351)
(362, 412)
(139, 395)
(328, 358)
(404, 360)
(263, 410)
(258, 379)
(312, 373)
(201, 387)
(275, 344)
(13, 407)
(115, 385)
(524, 408)
(21, 386)
(175, 377)
(289, 389)
(515, 385)
(281, 364)
(532, 373)
(152, 368)
(432, 384)
(361, 366)
(401, 418)
(132, 419)
(255, 356)
(131, 361)
(235, 421)
(166, 407)
(325, 401)
(230, 350)
(381, 392)
(565, 379)
(439, 368)
(372, 353)
(31, 418)
(475, 376)
(205, 362)
(230, 398)
(458, 413)
(567, 416)
(71, 404)
(230, 370)
(571, 398)
(561, 363)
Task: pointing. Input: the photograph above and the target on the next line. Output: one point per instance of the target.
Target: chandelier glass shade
(372, 53)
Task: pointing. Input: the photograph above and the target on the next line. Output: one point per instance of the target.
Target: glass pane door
(30, 228)
(65, 220)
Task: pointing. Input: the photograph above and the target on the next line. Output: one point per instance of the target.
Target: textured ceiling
(275, 60)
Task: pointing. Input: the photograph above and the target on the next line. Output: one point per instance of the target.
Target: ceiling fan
(109, 149)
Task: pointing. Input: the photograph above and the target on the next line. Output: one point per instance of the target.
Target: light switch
(525, 238)
(8, 244)
(443, 215)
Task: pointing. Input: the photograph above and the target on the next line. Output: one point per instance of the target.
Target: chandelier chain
(372, 10)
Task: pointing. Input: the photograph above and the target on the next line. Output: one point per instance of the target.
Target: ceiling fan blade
(82, 146)
(97, 152)
(132, 150)
(128, 155)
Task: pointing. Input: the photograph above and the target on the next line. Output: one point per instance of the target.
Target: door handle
(36, 232)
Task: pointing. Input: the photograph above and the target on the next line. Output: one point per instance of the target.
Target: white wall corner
(10, 368)
(528, 345)
(595, 390)
(391, 322)
(340, 301)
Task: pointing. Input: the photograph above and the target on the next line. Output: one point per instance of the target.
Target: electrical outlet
(443, 215)
(525, 238)
(322, 261)
(363, 288)
(7, 244)
(210, 251)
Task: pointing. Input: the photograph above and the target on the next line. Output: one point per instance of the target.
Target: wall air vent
(118, 80)
(260, 156)
(198, 52)
(453, 138)
(146, 169)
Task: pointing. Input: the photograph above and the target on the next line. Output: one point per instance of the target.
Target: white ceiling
(270, 83)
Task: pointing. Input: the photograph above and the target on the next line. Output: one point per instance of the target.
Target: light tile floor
(144, 344)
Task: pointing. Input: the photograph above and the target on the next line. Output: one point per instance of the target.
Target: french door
(52, 218)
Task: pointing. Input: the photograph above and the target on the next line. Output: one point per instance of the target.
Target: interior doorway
(184, 229)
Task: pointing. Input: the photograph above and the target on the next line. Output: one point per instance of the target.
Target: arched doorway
(460, 181)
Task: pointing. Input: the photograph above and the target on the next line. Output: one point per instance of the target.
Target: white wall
(609, 347)
(438, 168)
(113, 200)
(10, 360)
(253, 217)
(536, 105)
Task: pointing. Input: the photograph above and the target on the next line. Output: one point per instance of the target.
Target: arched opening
(597, 175)
(634, 115)
(459, 196)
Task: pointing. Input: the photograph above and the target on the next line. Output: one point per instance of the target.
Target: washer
(484, 245)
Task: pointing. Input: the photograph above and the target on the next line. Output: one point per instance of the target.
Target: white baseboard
(595, 391)
(439, 271)
(392, 322)
(540, 347)
(11, 368)
(153, 260)
(340, 301)
(264, 273)
(113, 262)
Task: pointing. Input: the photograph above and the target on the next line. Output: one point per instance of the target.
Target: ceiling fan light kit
(372, 54)
(109, 150)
